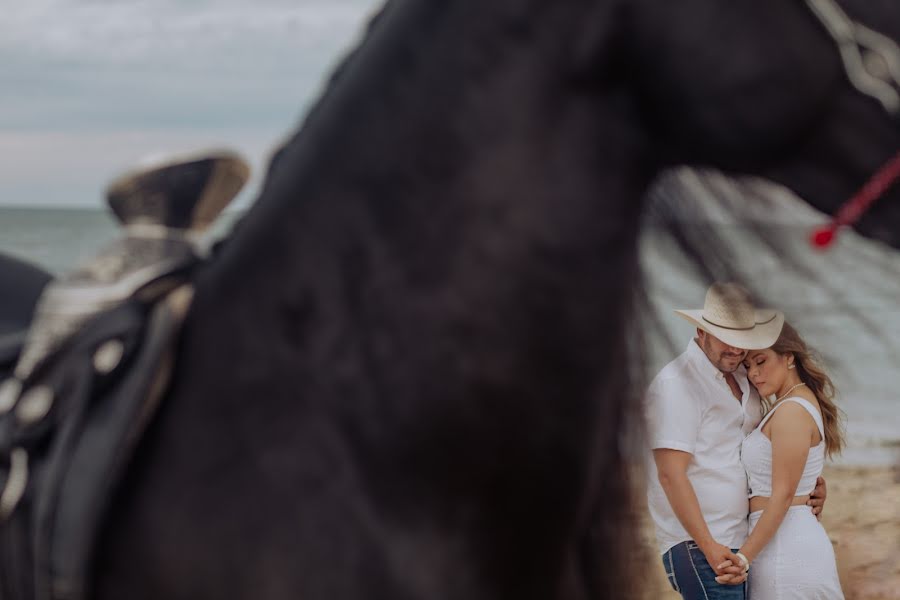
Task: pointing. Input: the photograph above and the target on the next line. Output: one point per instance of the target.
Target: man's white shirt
(691, 408)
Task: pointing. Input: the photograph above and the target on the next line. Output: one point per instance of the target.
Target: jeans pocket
(698, 560)
(672, 582)
(670, 570)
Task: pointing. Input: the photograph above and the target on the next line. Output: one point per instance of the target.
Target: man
(699, 408)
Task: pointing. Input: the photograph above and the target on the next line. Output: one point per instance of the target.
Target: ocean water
(58, 239)
(846, 303)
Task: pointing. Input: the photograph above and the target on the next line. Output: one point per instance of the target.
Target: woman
(790, 553)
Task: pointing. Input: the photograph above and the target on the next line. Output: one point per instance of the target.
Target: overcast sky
(89, 87)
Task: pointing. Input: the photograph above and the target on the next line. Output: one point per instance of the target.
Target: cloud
(76, 64)
(85, 84)
(124, 32)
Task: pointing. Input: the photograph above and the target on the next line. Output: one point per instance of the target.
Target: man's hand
(722, 559)
(730, 578)
(817, 498)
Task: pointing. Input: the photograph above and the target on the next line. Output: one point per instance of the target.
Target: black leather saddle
(21, 285)
(80, 386)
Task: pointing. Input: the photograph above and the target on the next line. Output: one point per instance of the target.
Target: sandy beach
(862, 517)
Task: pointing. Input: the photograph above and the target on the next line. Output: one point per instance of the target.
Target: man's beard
(729, 364)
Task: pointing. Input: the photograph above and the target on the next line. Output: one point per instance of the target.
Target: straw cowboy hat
(729, 315)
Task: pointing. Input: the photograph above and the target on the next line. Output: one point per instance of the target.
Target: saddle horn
(182, 193)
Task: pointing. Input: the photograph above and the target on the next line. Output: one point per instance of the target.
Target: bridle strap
(860, 47)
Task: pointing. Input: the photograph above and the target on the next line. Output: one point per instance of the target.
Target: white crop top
(756, 454)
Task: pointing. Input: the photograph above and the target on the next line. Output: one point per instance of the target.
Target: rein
(855, 208)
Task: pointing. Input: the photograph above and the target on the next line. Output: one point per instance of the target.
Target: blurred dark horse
(407, 374)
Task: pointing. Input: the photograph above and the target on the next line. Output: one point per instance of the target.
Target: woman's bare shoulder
(808, 395)
(793, 416)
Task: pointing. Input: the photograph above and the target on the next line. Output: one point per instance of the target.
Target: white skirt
(797, 563)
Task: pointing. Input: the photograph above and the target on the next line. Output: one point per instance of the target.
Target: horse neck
(439, 253)
(417, 173)
(389, 343)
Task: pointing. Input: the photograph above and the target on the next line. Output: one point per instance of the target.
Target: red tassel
(854, 208)
(822, 238)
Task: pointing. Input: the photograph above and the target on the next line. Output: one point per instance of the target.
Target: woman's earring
(792, 366)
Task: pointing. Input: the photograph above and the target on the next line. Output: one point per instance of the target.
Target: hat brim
(763, 335)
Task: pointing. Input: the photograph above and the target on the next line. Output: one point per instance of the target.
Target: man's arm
(672, 466)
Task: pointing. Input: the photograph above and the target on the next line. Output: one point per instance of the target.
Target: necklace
(779, 399)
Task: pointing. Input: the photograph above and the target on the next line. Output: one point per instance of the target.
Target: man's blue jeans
(693, 578)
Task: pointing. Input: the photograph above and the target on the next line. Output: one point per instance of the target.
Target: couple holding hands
(739, 426)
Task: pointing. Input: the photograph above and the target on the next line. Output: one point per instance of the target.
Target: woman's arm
(791, 435)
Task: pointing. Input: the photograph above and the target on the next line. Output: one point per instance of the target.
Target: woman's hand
(731, 577)
(717, 554)
(725, 563)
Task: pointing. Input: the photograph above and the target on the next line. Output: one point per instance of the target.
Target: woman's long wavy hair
(812, 373)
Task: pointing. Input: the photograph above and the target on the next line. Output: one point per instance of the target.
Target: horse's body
(406, 374)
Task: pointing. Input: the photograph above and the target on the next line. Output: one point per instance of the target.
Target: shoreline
(862, 518)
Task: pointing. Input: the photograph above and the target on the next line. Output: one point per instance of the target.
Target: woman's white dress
(798, 562)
